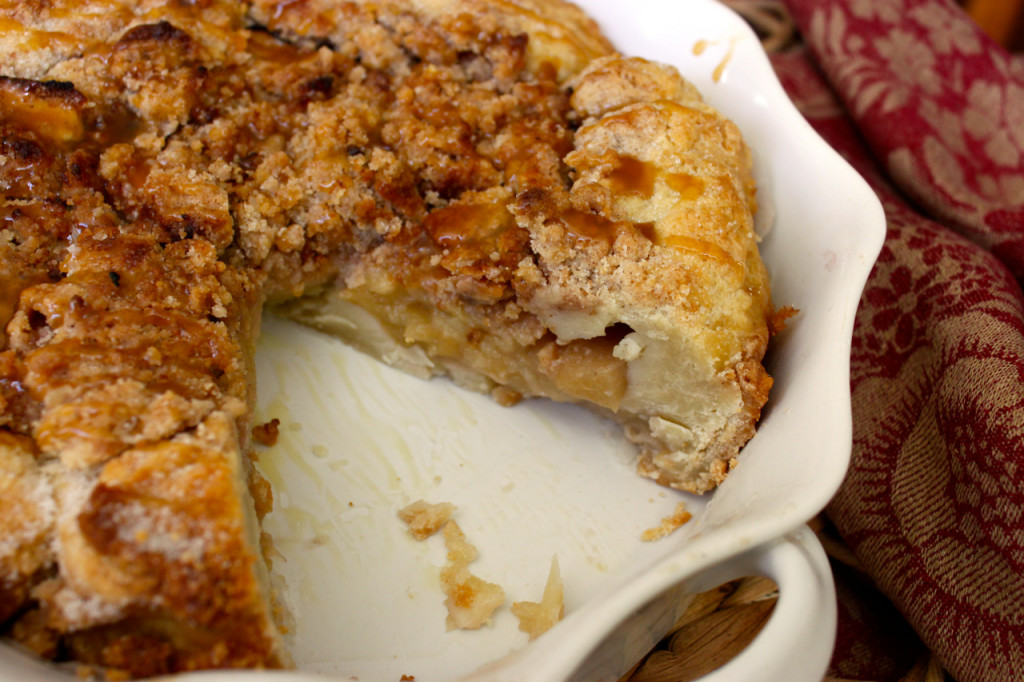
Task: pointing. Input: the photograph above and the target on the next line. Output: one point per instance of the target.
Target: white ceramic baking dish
(360, 440)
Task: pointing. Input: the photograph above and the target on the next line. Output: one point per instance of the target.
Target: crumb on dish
(536, 618)
(470, 600)
(267, 433)
(425, 519)
(668, 524)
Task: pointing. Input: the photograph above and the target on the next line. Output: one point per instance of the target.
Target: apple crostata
(481, 189)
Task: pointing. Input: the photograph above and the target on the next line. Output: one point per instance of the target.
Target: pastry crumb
(470, 600)
(425, 519)
(536, 618)
(668, 524)
(778, 321)
(266, 434)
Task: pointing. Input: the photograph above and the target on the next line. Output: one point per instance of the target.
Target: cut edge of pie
(644, 296)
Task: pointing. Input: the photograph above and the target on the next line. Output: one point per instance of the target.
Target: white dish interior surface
(360, 440)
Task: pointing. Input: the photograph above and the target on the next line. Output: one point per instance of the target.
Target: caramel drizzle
(701, 45)
(633, 177)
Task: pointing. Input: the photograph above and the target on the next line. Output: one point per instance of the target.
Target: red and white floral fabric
(931, 112)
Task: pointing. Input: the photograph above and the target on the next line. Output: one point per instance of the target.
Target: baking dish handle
(795, 644)
(797, 641)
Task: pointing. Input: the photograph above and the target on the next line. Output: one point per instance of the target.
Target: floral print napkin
(931, 112)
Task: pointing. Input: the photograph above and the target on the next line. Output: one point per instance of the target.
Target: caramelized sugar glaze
(167, 169)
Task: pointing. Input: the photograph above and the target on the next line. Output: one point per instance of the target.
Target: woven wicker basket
(719, 623)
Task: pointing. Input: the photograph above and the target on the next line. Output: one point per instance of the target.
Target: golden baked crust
(483, 186)
(616, 265)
